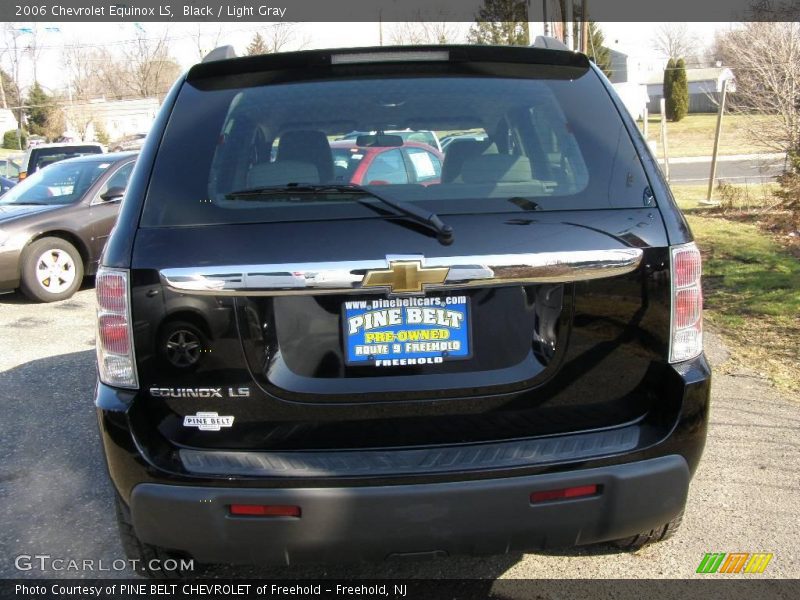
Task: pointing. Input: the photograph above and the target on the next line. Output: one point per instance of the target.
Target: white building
(7, 120)
(117, 118)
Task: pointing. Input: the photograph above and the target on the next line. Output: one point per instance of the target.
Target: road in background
(751, 170)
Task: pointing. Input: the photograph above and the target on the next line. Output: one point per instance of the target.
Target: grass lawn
(751, 290)
(694, 134)
(689, 197)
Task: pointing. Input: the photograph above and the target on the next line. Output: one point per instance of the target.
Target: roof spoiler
(221, 53)
(548, 43)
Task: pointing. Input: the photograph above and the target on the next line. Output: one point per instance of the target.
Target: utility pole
(545, 20)
(717, 133)
(664, 138)
(585, 26)
(568, 37)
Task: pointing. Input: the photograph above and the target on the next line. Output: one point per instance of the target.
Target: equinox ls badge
(405, 277)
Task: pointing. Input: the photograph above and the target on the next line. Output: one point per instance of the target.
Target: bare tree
(206, 39)
(147, 69)
(13, 49)
(34, 49)
(79, 118)
(673, 40)
(765, 57)
(84, 68)
(278, 37)
(424, 32)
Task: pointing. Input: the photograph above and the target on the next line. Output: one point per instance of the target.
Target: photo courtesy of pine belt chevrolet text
(372, 303)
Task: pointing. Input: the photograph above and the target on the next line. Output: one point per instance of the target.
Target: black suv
(499, 350)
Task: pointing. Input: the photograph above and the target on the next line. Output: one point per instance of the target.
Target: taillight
(687, 304)
(115, 358)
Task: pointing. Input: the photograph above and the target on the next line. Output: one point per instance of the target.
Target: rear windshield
(41, 157)
(551, 140)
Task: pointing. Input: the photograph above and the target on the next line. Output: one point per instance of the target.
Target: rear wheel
(658, 534)
(52, 269)
(151, 561)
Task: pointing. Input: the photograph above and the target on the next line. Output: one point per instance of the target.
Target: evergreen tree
(669, 75)
(39, 108)
(257, 45)
(680, 91)
(596, 51)
(501, 22)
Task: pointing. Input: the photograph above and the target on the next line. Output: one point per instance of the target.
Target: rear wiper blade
(429, 219)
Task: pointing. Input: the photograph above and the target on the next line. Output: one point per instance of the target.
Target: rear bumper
(350, 524)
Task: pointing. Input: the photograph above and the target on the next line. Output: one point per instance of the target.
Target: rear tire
(659, 534)
(146, 555)
(52, 270)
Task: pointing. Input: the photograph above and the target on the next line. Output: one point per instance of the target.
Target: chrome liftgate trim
(358, 277)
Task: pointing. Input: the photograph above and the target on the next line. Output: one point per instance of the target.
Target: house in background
(7, 120)
(116, 118)
(625, 77)
(705, 89)
(633, 96)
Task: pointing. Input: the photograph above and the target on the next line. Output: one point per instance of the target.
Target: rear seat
(281, 173)
(496, 168)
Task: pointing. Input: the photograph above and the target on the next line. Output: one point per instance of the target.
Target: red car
(413, 162)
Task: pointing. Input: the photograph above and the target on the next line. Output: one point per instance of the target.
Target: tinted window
(118, 179)
(552, 136)
(425, 165)
(62, 183)
(41, 157)
(387, 168)
(345, 163)
(8, 168)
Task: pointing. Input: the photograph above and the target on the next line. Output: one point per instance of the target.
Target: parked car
(507, 360)
(408, 135)
(36, 140)
(129, 142)
(45, 154)
(408, 162)
(471, 137)
(55, 223)
(6, 184)
(9, 168)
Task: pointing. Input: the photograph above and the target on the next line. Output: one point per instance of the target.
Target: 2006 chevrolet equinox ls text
(498, 350)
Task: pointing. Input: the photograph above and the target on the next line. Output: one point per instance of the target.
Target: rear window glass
(550, 141)
(41, 157)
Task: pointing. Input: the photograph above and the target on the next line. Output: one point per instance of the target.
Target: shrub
(789, 193)
(10, 140)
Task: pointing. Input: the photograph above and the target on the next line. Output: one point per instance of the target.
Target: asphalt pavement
(751, 169)
(55, 498)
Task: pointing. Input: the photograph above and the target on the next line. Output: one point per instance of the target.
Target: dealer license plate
(406, 331)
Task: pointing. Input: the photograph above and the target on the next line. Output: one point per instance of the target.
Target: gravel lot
(55, 498)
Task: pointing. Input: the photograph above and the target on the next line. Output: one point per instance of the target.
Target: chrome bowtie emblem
(405, 277)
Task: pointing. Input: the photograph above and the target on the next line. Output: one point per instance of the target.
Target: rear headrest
(281, 173)
(457, 152)
(310, 147)
(496, 168)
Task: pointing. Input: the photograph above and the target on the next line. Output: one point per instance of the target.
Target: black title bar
(384, 10)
